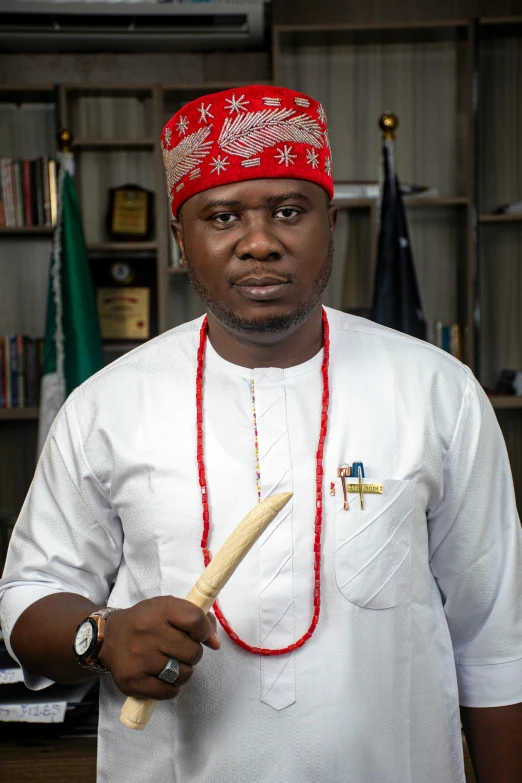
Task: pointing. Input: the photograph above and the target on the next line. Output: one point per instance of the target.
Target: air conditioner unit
(130, 26)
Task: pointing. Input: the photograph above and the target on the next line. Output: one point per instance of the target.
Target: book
(32, 375)
(3, 399)
(38, 196)
(6, 372)
(27, 191)
(20, 350)
(18, 194)
(44, 163)
(53, 192)
(7, 193)
(455, 341)
(13, 369)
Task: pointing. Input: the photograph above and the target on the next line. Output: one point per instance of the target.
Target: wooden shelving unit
(509, 218)
(19, 414)
(121, 247)
(506, 402)
(429, 75)
(26, 231)
(109, 144)
(433, 97)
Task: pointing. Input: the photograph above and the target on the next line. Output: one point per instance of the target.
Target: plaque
(131, 213)
(124, 313)
(126, 296)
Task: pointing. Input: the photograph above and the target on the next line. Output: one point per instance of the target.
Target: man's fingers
(151, 688)
(185, 671)
(187, 617)
(213, 640)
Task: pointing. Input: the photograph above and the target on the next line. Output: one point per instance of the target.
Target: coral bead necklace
(318, 492)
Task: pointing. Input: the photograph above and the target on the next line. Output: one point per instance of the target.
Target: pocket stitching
(403, 520)
(407, 483)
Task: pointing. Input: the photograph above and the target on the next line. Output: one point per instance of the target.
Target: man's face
(259, 253)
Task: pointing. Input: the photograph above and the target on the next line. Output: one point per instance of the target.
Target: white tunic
(420, 590)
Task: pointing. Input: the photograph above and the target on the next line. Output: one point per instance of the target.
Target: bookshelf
(468, 260)
(422, 72)
(28, 120)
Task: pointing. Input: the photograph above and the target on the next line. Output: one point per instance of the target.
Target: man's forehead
(255, 193)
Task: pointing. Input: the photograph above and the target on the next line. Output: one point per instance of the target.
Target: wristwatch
(89, 639)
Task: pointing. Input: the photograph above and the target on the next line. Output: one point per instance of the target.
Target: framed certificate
(131, 213)
(124, 313)
(126, 296)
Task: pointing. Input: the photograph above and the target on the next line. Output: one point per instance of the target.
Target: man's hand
(140, 640)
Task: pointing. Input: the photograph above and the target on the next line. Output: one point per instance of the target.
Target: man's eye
(287, 212)
(225, 217)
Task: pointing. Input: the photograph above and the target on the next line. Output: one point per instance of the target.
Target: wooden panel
(24, 272)
(423, 83)
(500, 117)
(379, 11)
(359, 269)
(136, 68)
(438, 240)
(17, 463)
(184, 304)
(49, 761)
(501, 299)
(97, 172)
(108, 116)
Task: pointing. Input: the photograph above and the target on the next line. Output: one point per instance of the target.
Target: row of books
(28, 194)
(21, 362)
(449, 337)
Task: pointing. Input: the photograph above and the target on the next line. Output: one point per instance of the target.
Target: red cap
(245, 133)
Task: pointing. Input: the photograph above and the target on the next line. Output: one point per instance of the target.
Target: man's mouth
(261, 288)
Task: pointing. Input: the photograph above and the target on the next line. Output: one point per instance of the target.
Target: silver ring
(170, 672)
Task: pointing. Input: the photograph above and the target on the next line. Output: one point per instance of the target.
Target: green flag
(73, 347)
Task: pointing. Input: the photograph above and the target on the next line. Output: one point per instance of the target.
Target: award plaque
(131, 213)
(124, 313)
(126, 297)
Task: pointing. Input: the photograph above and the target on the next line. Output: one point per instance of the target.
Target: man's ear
(333, 211)
(177, 232)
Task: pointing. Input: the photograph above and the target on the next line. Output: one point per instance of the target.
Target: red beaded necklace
(318, 492)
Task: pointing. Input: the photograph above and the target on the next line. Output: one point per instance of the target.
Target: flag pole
(388, 123)
(396, 301)
(73, 348)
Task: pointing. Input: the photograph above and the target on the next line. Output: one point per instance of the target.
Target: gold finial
(64, 140)
(388, 124)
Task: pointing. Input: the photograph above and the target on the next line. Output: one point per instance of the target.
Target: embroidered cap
(245, 133)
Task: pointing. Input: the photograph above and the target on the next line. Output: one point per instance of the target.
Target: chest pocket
(372, 547)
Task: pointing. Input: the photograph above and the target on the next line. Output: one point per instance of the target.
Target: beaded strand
(256, 443)
(318, 493)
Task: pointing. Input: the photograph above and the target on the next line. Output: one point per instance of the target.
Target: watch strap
(91, 660)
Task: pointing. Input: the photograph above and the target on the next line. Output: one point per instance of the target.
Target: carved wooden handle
(136, 712)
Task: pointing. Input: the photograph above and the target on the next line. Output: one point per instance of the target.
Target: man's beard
(260, 324)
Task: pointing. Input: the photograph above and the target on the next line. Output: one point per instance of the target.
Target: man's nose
(258, 243)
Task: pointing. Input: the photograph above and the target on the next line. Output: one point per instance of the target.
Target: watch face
(84, 638)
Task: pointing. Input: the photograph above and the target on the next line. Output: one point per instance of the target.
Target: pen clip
(344, 473)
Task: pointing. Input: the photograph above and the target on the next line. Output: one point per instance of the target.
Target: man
(373, 604)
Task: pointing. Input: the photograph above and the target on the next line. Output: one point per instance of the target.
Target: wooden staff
(136, 712)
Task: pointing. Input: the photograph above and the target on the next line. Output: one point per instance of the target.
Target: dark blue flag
(396, 301)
